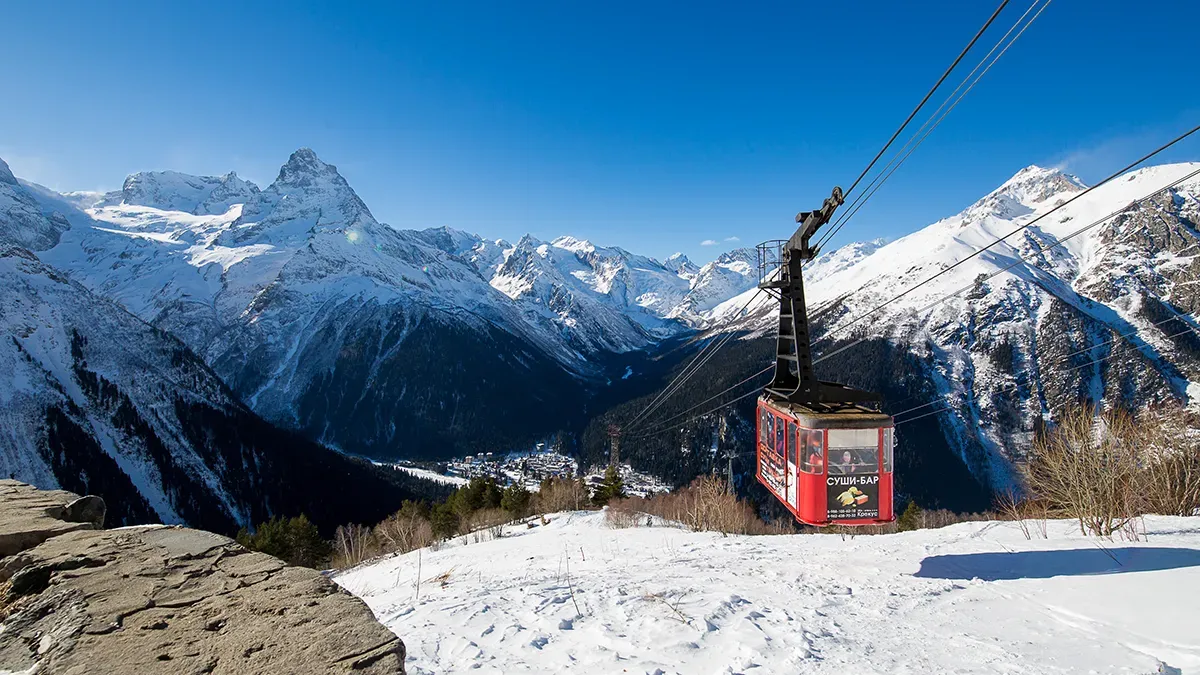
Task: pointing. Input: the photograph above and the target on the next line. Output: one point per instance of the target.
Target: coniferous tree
(910, 519)
(612, 487)
(516, 500)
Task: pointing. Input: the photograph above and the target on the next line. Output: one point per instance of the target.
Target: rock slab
(77, 599)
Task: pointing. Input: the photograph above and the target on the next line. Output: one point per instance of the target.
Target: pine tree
(612, 487)
(516, 500)
(910, 519)
(295, 541)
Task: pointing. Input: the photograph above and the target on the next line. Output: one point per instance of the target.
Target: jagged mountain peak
(745, 254)
(450, 240)
(1021, 194)
(6, 174)
(574, 245)
(1037, 183)
(682, 265)
(303, 166)
(308, 197)
(23, 221)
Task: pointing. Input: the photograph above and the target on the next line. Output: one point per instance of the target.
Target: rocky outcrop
(75, 598)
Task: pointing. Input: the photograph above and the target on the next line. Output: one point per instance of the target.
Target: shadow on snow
(1046, 564)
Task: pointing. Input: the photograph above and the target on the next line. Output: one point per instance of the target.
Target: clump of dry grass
(561, 494)
(708, 503)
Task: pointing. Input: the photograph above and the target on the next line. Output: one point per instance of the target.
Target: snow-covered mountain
(174, 191)
(22, 222)
(731, 274)
(1104, 317)
(369, 338)
(94, 400)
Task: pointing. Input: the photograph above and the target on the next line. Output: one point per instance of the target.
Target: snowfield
(578, 596)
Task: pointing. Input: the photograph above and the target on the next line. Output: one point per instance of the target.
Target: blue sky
(653, 126)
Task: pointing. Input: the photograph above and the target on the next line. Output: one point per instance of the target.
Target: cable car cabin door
(792, 466)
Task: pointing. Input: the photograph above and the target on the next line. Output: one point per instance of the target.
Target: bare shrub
(561, 494)
(406, 530)
(621, 514)
(1089, 468)
(1172, 464)
(352, 544)
(706, 504)
(1030, 515)
(486, 524)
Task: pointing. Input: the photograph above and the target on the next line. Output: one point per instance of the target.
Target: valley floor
(970, 598)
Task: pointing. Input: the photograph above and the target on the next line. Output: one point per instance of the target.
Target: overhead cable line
(697, 360)
(693, 366)
(918, 138)
(920, 105)
(1176, 317)
(1102, 359)
(925, 405)
(668, 427)
(667, 421)
(934, 412)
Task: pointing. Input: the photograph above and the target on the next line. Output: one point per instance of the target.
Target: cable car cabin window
(810, 448)
(763, 434)
(780, 443)
(853, 451)
(888, 440)
(770, 426)
(791, 444)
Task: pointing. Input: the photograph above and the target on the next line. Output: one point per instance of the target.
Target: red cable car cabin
(821, 452)
(828, 468)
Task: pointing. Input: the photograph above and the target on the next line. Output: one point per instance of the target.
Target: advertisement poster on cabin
(852, 497)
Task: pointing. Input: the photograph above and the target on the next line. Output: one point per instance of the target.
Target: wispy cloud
(709, 242)
(733, 238)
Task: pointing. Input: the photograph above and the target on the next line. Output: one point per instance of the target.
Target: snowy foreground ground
(971, 598)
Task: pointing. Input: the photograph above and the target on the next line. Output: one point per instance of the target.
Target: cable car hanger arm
(781, 270)
(810, 222)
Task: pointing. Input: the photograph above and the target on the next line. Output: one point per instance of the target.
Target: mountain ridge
(303, 302)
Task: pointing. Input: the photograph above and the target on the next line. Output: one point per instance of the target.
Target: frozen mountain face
(1014, 352)
(840, 259)
(96, 401)
(365, 337)
(729, 275)
(681, 265)
(23, 221)
(599, 299)
(174, 191)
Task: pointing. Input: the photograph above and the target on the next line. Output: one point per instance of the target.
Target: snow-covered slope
(174, 191)
(22, 220)
(575, 595)
(94, 400)
(1013, 352)
(729, 275)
